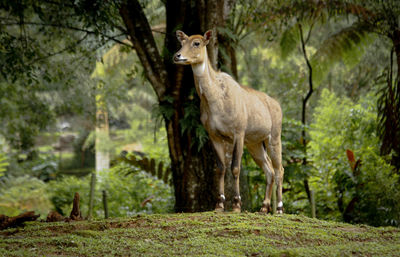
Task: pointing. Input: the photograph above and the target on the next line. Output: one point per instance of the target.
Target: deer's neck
(204, 77)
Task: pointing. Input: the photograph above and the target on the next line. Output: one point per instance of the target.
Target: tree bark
(76, 212)
(229, 60)
(389, 107)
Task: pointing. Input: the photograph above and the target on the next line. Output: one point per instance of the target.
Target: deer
(235, 116)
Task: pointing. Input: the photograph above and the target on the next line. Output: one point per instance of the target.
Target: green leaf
(347, 46)
(289, 41)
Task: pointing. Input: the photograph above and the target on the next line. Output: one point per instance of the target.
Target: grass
(201, 234)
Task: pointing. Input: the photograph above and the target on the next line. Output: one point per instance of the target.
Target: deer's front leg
(220, 152)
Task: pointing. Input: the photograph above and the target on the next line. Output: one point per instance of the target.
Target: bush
(62, 192)
(25, 193)
(368, 194)
(138, 192)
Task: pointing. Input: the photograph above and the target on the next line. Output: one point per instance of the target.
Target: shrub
(368, 194)
(62, 192)
(25, 193)
(138, 192)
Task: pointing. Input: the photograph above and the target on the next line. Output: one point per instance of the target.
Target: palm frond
(347, 46)
(289, 40)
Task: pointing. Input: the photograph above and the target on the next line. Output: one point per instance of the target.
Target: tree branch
(61, 51)
(143, 42)
(303, 46)
(113, 38)
(309, 33)
(305, 100)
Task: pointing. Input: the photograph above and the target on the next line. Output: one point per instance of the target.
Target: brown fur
(234, 116)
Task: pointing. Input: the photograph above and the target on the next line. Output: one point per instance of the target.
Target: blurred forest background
(88, 79)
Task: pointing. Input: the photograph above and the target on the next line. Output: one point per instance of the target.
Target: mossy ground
(201, 234)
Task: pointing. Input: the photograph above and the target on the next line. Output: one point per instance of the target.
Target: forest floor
(201, 234)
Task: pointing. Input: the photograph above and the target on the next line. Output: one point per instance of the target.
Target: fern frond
(347, 46)
(289, 41)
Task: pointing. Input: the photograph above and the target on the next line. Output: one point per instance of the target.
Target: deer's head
(193, 48)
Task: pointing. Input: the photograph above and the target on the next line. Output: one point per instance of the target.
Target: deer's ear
(207, 36)
(181, 36)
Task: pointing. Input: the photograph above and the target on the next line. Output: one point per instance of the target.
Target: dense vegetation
(333, 65)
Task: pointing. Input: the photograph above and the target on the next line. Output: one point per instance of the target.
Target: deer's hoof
(237, 204)
(266, 208)
(279, 210)
(236, 209)
(219, 207)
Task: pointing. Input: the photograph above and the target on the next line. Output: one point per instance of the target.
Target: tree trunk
(102, 134)
(102, 127)
(7, 222)
(228, 60)
(389, 107)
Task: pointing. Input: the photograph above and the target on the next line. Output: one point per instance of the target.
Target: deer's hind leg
(274, 149)
(259, 155)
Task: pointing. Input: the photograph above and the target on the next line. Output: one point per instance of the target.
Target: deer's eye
(196, 44)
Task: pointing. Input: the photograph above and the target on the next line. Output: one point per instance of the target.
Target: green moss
(201, 234)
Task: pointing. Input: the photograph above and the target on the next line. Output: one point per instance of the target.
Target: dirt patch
(352, 229)
(296, 220)
(169, 228)
(130, 224)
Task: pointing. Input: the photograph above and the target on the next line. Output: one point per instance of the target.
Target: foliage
(150, 136)
(42, 166)
(3, 163)
(23, 115)
(295, 197)
(369, 195)
(61, 193)
(191, 121)
(126, 194)
(24, 193)
(136, 193)
(347, 46)
(30, 61)
(202, 234)
(45, 168)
